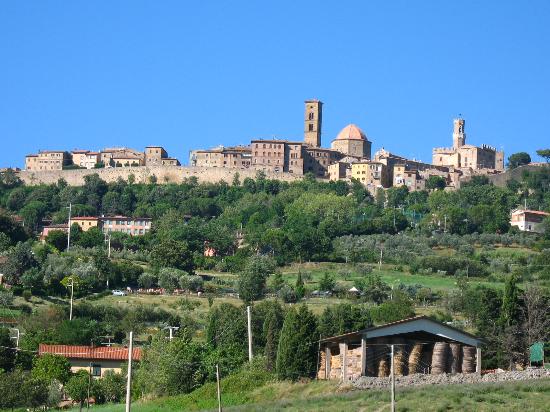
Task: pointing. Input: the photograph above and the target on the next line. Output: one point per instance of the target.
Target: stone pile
(367, 382)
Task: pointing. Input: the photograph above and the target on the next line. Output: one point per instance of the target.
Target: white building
(528, 220)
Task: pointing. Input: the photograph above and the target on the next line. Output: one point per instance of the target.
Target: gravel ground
(367, 382)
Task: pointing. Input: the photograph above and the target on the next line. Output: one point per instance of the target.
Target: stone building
(122, 157)
(278, 155)
(47, 160)
(85, 158)
(317, 160)
(313, 121)
(352, 141)
(462, 155)
(236, 157)
(157, 156)
(421, 345)
(372, 174)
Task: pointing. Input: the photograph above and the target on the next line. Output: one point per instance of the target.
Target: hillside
(328, 396)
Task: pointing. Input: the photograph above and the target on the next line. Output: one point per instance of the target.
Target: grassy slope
(326, 396)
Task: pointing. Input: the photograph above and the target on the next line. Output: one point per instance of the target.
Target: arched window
(310, 127)
(311, 115)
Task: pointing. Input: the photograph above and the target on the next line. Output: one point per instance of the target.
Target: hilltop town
(349, 157)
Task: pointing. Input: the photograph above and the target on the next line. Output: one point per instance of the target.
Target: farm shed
(421, 345)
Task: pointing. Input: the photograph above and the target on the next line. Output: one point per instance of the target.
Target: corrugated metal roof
(89, 352)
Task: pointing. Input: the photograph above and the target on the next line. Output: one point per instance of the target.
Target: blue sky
(186, 75)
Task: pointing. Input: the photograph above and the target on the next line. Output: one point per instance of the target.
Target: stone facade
(463, 155)
(47, 160)
(317, 160)
(374, 175)
(313, 121)
(237, 157)
(352, 141)
(145, 174)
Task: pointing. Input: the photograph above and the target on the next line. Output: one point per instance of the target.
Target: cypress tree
(271, 330)
(300, 289)
(297, 350)
(509, 313)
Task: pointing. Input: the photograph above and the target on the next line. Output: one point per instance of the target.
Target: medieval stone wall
(144, 174)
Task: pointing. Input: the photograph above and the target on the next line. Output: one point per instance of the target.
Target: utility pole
(129, 382)
(381, 253)
(392, 381)
(445, 227)
(171, 330)
(219, 388)
(108, 241)
(69, 227)
(89, 384)
(72, 294)
(17, 337)
(249, 316)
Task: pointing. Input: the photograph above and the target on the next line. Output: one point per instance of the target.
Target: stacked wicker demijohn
(440, 358)
(415, 359)
(456, 358)
(426, 358)
(468, 359)
(371, 361)
(399, 364)
(384, 362)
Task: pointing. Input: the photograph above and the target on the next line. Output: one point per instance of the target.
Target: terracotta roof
(80, 151)
(532, 212)
(351, 132)
(84, 218)
(89, 352)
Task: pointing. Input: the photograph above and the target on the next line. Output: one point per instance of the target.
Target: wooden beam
(363, 357)
(328, 358)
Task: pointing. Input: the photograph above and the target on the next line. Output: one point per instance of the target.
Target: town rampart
(148, 174)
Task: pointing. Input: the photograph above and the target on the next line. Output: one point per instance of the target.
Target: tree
(535, 314)
(327, 283)
(297, 350)
(10, 388)
(300, 288)
(58, 239)
(32, 213)
(436, 183)
(544, 153)
(252, 280)
(172, 253)
(271, 317)
(50, 367)
(91, 238)
(19, 259)
(373, 288)
(227, 326)
(35, 392)
(77, 387)
(509, 313)
(113, 386)
(168, 278)
(518, 159)
(171, 367)
(7, 351)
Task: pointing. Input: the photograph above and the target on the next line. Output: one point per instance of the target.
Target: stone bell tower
(459, 136)
(312, 122)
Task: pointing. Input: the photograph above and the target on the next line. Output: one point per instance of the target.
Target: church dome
(351, 132)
